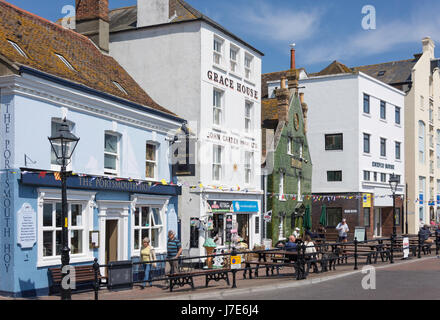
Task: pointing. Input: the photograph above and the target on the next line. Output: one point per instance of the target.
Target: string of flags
(286, 197)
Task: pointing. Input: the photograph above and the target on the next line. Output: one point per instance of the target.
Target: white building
(356, 140)
(212, 78)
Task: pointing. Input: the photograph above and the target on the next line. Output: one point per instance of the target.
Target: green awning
(323, 218)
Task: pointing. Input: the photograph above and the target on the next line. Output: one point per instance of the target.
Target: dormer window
(67, 63)
(120, 87)
(18, 48)
(381, 73)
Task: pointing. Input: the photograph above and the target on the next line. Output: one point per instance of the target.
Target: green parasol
(307, 219)
(323, 218)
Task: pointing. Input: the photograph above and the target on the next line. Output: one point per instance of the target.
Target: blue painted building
(121, 188)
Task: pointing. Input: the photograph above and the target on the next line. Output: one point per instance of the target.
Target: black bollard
(436, 241)
(392, 249)
(234, 271)
(419, 255)
(355, 253)
(96, 283)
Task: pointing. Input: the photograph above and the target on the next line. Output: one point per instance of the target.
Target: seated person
(291, 244)
(311, 234)
(321, 231)
(425, 233)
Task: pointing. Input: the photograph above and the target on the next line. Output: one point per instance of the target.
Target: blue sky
(322, 30)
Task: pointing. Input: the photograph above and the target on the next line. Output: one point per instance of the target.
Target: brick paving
(158, 290)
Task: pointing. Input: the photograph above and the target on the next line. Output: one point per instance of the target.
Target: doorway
(378, 222)
(243, 227)
(111, 241)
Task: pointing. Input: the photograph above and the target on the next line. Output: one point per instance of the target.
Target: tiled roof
(267, 77)
(333, 68)
(41, 40)
(394, 72)
(124, 19)
(269, 109)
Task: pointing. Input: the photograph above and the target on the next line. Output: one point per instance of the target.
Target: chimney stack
(292, 57)
(92, 20)
(283, 97)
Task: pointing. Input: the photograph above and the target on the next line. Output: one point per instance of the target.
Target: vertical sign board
(366, 200)
(405, 247)
(359, 233)
(7, 192)
(235, 262)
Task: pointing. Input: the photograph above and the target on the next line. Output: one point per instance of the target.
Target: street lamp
(63, 144)
(394, 181)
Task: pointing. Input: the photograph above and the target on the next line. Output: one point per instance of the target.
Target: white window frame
(218, 54)
(290, 146)
(248, 118)
(216, 107)
(248, 69)
(159, 202)
(217, 164)
(281, 187)
(234, 64)
(156, 154)
(248, 167)
(117, 154)
(83, 198)
(421, 141)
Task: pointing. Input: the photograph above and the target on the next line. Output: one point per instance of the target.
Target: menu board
(228, 227)
(359, 233)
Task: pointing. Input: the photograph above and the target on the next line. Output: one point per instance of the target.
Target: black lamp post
(394, 181)
(63, 144)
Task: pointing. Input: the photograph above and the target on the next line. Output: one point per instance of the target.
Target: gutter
(83, 88)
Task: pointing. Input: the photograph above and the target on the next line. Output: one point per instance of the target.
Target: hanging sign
(216, 206)
(26, 226)
(366, 200)
(245, 206)
(268, 216)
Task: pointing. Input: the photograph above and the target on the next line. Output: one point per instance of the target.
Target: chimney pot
(91, 10)
(292, 56)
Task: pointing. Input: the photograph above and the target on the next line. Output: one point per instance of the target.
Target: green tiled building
(286, 162)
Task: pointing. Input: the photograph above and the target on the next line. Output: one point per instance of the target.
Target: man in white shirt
(296, 233)
(342, 228)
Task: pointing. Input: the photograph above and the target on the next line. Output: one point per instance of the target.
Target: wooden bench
(181, 279)
(268, 265)
(84, 278)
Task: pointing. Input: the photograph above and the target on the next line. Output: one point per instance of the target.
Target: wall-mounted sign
(245, 206)
(421, 198)
(184, 160)
(231, 140)
(231, 84)
(217, 206)
(351, 211)
(26, 226)
(268, 216)
(382, 165)
(366, 200)
(94, 239)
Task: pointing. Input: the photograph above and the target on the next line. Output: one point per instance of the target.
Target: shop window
(366, 217)
(147, 223)
(194, 233)
(52, 229)
(334, 216)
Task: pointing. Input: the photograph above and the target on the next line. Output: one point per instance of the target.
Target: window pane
(145, 217)
(47, 215)
(58, 215)
(76, 215)
(58, 243)
(111, 143)
(366, 217)
(109, 162)
(333, 142)
(136, 239)
(156, 216)
(145, 233)
(53, 158)
(76, 241)
(149, 170)
(151, 152)
(155, 238)
(136, 217)
(47, 243)
(334, 216)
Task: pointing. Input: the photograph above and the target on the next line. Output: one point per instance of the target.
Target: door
(377, 222)
(111, 241)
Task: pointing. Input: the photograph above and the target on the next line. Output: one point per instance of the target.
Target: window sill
(236, 75)
(366, 154)
(383, 120)
(368, 115)
(55, 261)
(249, 81)
(220, 67)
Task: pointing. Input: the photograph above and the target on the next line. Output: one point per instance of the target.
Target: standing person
(174, 250)
(342, 228)
(147, 255)
(296, 232)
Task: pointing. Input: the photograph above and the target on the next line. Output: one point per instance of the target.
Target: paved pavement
(342, 283)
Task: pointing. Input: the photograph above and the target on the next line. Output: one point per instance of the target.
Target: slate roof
(41, 40)
(394, 72)
(267, 77)
(333, 68)
(125, 19)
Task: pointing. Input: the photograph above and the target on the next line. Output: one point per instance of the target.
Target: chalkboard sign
(228, 227)
(360, 233)
(120, 275)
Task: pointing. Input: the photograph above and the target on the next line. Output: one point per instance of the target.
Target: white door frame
(113, 210)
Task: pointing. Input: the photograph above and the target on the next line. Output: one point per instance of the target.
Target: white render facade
(194, 77)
